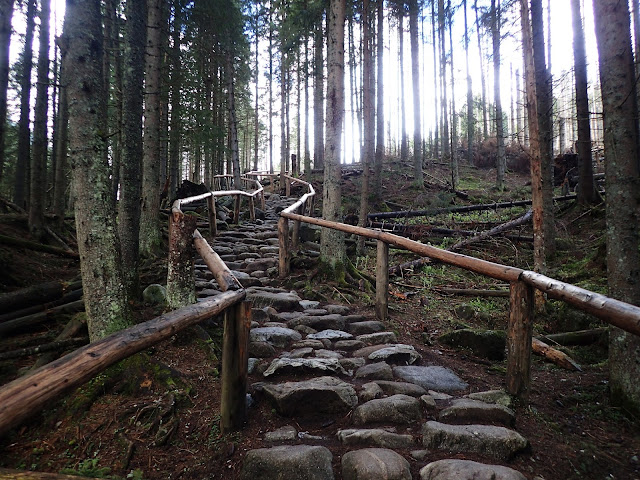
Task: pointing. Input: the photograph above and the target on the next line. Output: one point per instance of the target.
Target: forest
(502, 131)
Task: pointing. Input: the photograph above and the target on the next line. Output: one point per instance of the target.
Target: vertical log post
(382, 281)
(519, 333)
(283, 246)
(213, 226)
(236, 211)
(235, 355)
(252, 208)
(262, 201)
(180, 281)
(295, 234)
(287, 182)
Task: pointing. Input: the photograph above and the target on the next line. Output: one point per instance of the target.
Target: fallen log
(428, 230)
(39, 247)
(23, 397)
(474, 292)
(67, 298)
(36, 318)
(42, 293)
(494, 231)
(72, 328)
(579, 337)
(45, 347)
(556, 356)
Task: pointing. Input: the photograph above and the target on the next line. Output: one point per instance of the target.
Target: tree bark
(501, 159)
(105, 296)
(233, 122)
(176, 86)
(377, 176)
(150, 233)
(415, 75)
(6, 14)
(20, 189)
(620, 110)
(485, 132)
(404, 148)
(318, 99)
(471, 122)
(332, 248)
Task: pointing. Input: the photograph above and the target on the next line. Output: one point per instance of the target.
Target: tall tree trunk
(434, 38)
(471, 123)
(175, 128)
(332, 247)
(131, 170)
(40, 143)
(485, 121)
(501, 160)
(415, 74)
(284, 149)
(455, 175)
(446, 145)
(519, 108)
(233, 121)
(20, 189)
(368, 94)
(6, 14)
(256, 120)
(377, 177)
(270, 86)
(404, 143)
(307, 152)
(318, 98)
(104, 293)
(543, 95)
(620, 109)
(150, 233)
(586, 188)
(61, 147)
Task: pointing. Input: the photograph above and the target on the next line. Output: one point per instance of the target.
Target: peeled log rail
(226, 280)
(24, 396)
(45, 292)
(466, 208)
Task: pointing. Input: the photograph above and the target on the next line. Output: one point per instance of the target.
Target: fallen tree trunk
(494, 231)
(18, 242)
(475, 292)
(44, 292)
(77, 323)
(67, 298)
(414, 231)
(36, 318)
(45, 347)
(556, 356)
(21, 398)
(579, 337)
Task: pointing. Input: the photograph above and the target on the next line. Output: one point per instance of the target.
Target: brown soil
(111, 425)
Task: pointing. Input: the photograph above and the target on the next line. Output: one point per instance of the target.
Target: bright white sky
(561, 61)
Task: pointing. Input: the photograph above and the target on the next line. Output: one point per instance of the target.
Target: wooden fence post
(252, 209)
(283, 245)
(213, 226)
(180, 281)
(235, 355)
(262, 200)
(295, 233)
(287, 182)
(236, 211)
(382, 281)
(519, 334)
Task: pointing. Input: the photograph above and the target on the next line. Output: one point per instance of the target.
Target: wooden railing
(522, 285)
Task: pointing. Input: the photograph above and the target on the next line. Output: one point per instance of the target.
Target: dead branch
(494, 231)
(556, 356)
(45, 347)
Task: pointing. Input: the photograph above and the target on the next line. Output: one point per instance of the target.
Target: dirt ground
(157, 417)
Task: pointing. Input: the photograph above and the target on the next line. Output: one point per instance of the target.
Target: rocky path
(381, 410)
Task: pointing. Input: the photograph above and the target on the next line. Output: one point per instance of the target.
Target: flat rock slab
(348, 345)
(340, 309)
(404, 388)
(308, 342)
(499, 442)
(466, 410)
(499, 397)
(281, 301)
(467, 470)
(375, 464)
(330, 334)
(399, 353)
(277, 336)
(378, 338)
(261, 349)
(435, 377)
(288, 461)
(369, 326)
(318, 395)
(283, 434)
(320, 322)
(289, 365)
(376, 437)
(366, 351)
(394, 409)
(377, 371)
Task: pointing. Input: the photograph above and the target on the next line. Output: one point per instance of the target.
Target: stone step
(467, 470)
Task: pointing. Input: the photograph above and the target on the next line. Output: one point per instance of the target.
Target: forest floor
(113, 426)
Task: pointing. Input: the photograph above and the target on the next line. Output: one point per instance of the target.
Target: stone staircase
(381, 407)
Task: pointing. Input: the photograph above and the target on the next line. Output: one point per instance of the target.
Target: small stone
(419, 455)
(308, 342)
(378, 338)
(350, 364)
(431, 377)
(370, 391)
(404, 354)
(301, 352)
(375, 437)
(428, 401)
(283, 434)
(339, 309)
(155, 294)
(380, 370)
(323, 353)
(394, 409)
(375, 464)
(309, 304)
(304, 364)
(499, 397)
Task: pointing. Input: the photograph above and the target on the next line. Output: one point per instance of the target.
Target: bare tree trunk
(150, 233)
(256, 122)
(332, 248)
(446, 144)
(501, 160)
(586, 188)
(175, 129)
(436, 126)
(40, 143)
(307, 152)
(485, 121)
(620, 109)
(284, 150)
(404, 148)
(24, 131)
(455, 175)
(270, 82)
(377, 177)
(471, 123)
(415, 74)
(519, 109)
(6, 14)
(61, 149)
(318, 99)
(233, 122)
(104, 293)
